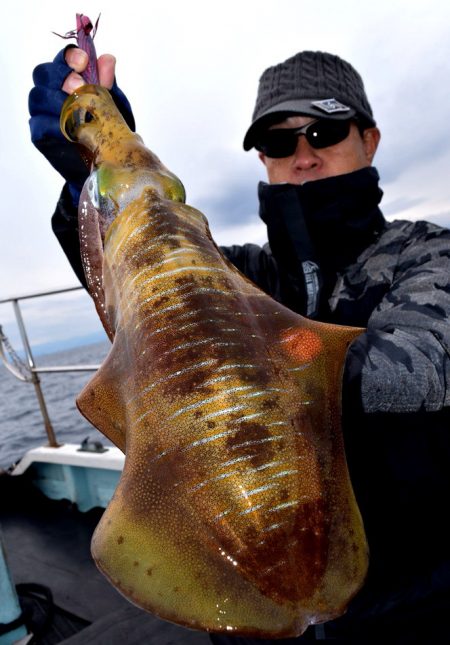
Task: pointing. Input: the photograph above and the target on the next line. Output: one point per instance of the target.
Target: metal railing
(28, 371)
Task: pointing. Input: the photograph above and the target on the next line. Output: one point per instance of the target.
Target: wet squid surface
(234, 511)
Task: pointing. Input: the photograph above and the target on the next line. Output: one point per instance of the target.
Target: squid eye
(71, 123)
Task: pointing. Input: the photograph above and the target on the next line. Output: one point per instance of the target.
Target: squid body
(235, 512)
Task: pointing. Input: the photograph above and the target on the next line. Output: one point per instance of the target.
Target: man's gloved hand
(52, 83)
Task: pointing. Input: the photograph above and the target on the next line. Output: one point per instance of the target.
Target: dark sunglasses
(282, 142)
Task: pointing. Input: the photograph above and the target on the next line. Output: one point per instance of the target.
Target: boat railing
(27, 370)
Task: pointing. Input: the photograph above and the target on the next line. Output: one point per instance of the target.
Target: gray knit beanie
(310, 83)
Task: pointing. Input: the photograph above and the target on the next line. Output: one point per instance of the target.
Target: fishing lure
(85, 34)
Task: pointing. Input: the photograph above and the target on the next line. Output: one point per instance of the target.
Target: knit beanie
(313, 84)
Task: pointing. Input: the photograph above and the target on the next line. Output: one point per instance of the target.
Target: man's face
(307, 163)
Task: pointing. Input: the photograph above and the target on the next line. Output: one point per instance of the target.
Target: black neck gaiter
(316, 230)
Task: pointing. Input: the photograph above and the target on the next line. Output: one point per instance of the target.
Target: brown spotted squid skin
(234, 511)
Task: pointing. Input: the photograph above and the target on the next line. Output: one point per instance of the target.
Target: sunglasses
(282, 142)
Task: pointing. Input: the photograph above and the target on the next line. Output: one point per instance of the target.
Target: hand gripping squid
(235, 512)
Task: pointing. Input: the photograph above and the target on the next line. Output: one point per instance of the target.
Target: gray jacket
(399, 288)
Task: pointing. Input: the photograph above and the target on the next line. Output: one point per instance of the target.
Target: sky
(190, 71)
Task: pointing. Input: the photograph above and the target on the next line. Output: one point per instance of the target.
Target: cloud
(401, 204)
(407, 80)
(52, 318)
(235, 202)
(441, 218)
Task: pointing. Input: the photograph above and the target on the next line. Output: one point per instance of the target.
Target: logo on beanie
(330, 106)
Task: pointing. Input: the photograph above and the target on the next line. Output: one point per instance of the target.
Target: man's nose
(305, 155)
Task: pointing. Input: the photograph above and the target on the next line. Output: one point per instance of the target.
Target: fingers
(77, 59)
(72, 82)
(106, 70)
(50, 75)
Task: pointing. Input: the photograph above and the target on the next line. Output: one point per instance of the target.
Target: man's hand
(52, 83)
(77, 59)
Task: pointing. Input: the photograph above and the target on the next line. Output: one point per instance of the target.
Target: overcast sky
(190, 70)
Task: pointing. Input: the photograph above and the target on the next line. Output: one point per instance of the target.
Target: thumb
(106, 70)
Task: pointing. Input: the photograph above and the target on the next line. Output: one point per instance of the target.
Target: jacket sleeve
(65, 227)
(258, 264)
(402, 362)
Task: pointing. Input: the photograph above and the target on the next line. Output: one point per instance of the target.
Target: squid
(235, 511)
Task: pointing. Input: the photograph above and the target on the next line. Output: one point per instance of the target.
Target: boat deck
(47, 545)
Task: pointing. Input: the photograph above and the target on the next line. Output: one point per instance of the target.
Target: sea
(21, 423)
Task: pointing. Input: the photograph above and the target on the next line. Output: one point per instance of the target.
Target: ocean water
(21, 424)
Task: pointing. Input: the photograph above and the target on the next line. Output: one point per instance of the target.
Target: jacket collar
(341, 214)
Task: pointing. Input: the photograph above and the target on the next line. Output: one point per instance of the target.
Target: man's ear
(262, 157)
(371, 138)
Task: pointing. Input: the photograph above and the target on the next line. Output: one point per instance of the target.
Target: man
(333, 257)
